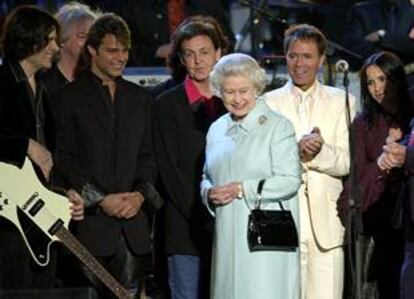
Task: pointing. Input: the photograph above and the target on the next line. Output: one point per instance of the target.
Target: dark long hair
(26, 32)
(397, 103)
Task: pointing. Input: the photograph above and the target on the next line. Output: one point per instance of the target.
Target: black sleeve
(167, 132)
(67, 152)
(146, 164)
(14, 123)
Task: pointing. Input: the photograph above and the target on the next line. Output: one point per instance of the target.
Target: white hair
(74, 12)
(237, 64)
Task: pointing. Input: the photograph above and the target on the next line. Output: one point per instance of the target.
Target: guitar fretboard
(89, 260)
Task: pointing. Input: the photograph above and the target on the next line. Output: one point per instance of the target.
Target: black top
(22, 115)
(180, 131)
(53, 79)
(107, 145)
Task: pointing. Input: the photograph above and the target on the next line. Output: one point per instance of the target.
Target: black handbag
(271, 230)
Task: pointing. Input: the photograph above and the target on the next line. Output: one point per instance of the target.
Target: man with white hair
(75, 20)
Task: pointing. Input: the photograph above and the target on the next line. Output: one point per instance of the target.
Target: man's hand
(310, 145)
(225, 194)
(132, 204)
(411, 34)
(77, 207)
(122, 205)
(163, 51)
(373, 37)
(41, 157)
(113, 204)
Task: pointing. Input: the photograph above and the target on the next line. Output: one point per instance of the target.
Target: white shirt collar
(299, 93)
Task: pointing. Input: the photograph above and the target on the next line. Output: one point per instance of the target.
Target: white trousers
(322, 272)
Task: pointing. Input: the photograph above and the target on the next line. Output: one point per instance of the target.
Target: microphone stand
(250, 26)
(285, 24)
(332, 47)
(354, 222)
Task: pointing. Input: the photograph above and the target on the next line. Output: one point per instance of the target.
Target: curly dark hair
(397, 103)
(26, 31)
(189, 28)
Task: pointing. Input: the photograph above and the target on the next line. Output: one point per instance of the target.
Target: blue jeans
(184, 276)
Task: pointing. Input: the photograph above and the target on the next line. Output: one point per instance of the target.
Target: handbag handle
(259, 195)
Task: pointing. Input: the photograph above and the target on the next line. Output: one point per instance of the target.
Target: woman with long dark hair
(385, 118)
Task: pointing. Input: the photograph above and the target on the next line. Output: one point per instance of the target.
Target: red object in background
(175, 9)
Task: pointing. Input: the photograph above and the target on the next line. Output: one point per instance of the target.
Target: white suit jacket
(322, 175)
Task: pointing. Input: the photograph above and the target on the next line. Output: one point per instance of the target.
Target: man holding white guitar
(28, 44)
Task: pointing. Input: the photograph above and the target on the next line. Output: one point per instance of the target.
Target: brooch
(262, 120)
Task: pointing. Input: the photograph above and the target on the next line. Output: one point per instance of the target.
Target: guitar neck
(91, 263)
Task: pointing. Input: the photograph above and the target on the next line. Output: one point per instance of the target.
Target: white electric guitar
(42, 217)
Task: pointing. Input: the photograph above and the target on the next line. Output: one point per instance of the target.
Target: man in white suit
(318, 113)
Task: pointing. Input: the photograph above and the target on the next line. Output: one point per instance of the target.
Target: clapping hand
(310, 145)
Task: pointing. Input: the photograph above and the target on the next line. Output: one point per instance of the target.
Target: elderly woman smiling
(248, 144)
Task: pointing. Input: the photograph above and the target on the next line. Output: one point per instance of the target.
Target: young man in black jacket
(28, 43)
(104, 148)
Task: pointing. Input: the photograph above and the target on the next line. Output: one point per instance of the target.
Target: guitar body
(42, 217)
(27, 204)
